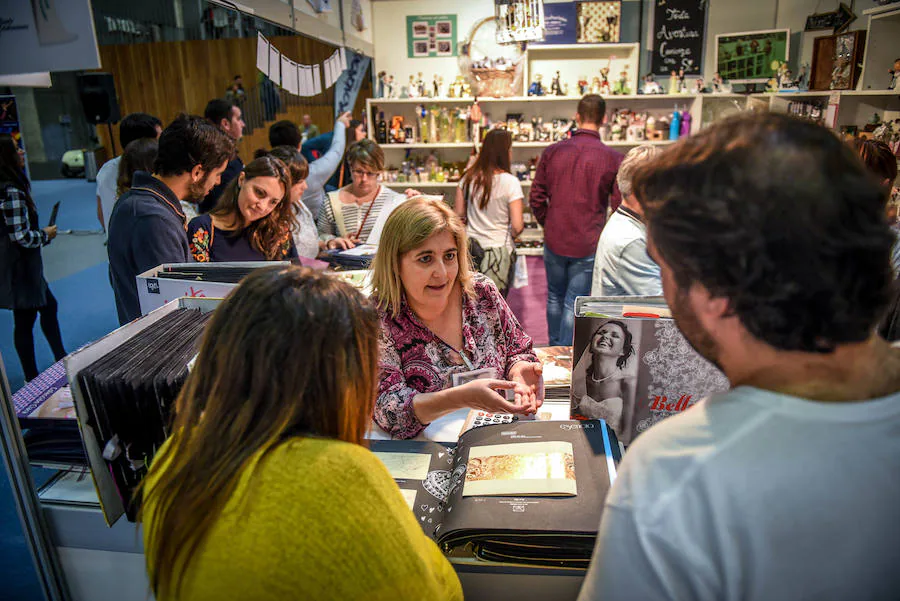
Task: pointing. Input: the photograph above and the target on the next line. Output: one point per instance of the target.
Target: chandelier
(519, 21)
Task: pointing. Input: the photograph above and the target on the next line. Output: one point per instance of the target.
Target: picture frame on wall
(837, 61)
(599, 22)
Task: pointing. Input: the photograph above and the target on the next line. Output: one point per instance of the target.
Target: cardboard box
(155, 290)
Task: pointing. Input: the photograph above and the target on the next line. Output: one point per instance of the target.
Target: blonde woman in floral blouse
(441, 322)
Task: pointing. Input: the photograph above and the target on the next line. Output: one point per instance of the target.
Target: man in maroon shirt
(574, 186)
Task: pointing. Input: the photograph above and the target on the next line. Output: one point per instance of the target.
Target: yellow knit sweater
(318, 519)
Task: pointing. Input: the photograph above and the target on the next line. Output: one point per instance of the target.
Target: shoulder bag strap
(338, 210)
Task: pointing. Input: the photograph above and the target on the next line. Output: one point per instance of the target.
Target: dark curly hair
(270, 234)
(781, 218)
(627, 346)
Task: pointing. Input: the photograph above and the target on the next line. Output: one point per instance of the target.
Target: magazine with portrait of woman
(604, 380)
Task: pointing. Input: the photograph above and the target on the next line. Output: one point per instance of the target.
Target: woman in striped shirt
(348, 216)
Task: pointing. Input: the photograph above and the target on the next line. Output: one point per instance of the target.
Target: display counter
(107, 563)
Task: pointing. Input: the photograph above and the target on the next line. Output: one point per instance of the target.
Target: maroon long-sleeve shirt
(574, 184)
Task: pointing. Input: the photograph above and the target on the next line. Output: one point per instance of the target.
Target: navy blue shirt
(210, 244)
(146, 229)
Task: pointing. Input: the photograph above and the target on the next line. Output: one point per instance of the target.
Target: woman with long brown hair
(489, 199)
(252, 221)
(264, 490)
(23, 288)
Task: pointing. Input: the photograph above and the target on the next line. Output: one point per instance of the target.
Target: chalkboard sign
(678, 31)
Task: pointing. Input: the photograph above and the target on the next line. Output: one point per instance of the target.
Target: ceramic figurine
(555, 88)
(650, 85)
(604, 81)
(420, 86)
(622, 83)
(391, 88)
(536, 88)
(583, 85)
(673, 83)
(895, 75)
(412, 90)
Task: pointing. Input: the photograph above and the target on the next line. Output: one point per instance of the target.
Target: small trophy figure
(555, 88)
(412, 90)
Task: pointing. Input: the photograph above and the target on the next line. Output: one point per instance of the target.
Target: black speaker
(98, 97)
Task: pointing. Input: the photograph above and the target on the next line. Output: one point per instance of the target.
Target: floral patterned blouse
(413, 360)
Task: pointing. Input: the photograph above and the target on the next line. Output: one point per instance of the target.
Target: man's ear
(197, 173)
(709, 309)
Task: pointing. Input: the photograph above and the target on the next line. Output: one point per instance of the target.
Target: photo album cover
(635, 371)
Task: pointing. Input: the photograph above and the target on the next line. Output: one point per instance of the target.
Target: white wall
(389, 24)
(724, 16)
(729, 16)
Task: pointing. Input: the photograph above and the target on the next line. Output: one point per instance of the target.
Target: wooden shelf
(450, 145)
(425, 185)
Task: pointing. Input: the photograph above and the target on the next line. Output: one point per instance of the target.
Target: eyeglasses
(363, 174)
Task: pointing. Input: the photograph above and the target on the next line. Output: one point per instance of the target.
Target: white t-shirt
(490, 226)
(754, 495)
(106, 187)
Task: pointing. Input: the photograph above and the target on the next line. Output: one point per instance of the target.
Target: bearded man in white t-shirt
(775, 261)
(133, 127)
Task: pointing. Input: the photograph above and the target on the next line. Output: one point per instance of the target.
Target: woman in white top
(348, 215)
(489, 199)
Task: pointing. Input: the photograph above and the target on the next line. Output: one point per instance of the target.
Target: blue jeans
(566, 279)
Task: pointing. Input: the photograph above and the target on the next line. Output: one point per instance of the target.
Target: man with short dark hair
(228, 117)
(573, 187)
(147, 226)
(133, 127)
(775, 259)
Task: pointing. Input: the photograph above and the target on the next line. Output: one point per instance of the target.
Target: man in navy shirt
(147, 225)
(573, 187)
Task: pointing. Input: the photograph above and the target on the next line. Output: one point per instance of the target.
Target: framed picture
(837, 61)
(598, 22)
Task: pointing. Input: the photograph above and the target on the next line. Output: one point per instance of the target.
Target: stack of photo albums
(124, 387)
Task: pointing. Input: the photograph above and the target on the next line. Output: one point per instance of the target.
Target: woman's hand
(342, 243)
(531, 375)
(412, 193)
(482, 395)
(51, 231)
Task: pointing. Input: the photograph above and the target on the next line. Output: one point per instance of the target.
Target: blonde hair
(407, 228)
(636, 157)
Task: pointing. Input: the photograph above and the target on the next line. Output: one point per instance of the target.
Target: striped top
(353, 216)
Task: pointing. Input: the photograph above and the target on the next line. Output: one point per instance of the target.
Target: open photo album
(527, 492)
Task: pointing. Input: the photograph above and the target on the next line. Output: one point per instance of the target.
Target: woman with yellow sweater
(264, 490)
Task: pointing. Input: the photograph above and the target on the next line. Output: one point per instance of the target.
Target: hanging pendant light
(519, 21)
